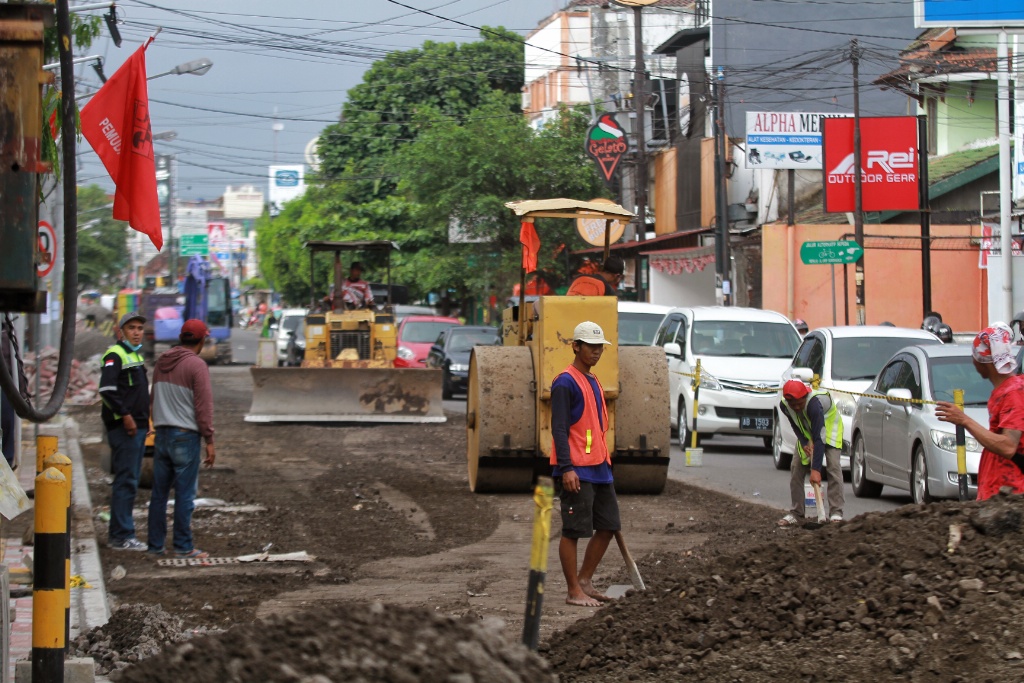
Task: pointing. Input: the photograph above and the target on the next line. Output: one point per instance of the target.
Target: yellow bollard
(543, 498)
(45, 447)
(62, 464)
(48, 592)
(694, 455)
(961, 450)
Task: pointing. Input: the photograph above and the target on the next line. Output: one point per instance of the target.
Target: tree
(102, 242)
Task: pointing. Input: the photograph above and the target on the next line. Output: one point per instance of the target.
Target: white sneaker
(835, 518)
(788, 520)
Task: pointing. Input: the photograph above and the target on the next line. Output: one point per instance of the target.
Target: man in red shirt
(1002, 460)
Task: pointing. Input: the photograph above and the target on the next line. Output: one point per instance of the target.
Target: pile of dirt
(83, 382)
(353, 642)
(922, 593)
(133, 633)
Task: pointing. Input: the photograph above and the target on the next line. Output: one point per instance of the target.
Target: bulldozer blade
(345, 395)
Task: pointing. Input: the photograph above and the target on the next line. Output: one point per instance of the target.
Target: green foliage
(434, 137)
(102, 242)
(84, 30)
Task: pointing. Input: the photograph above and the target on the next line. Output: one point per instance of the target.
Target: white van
(743, 353)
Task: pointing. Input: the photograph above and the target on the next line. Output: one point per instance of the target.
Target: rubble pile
(83, 384)
(133, 633)
(350, 642)
(922, 593)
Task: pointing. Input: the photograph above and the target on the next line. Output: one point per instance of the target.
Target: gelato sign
(606, 143)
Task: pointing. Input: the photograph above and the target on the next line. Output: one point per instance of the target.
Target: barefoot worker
(582, 465)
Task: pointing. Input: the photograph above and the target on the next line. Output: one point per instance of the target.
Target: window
(889, 376)
(803, 353)
(744, 338)
(958, 372)
(638, 329)
(909, 377)
(681, 335)
(423, 332)
(816, 357)
(856, 358)
(667, 332)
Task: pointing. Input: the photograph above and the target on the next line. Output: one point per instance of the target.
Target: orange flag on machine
(116, 124)
(531, 245)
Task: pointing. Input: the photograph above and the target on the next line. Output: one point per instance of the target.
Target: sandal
(788, 520)
(194, 554)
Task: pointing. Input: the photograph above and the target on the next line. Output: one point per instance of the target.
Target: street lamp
(197, 67)
(639, 100)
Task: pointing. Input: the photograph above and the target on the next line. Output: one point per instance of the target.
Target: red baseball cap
(193, 331)
(795, 389)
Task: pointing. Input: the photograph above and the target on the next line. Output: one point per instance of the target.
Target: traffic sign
(194, 245)
(836, 251)
(47, 249)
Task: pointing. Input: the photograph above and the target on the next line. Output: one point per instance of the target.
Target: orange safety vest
(587, 444)
(587, 285)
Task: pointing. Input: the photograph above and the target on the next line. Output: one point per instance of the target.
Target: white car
(847, 360)
(290, 321)
(639, 322)
(742, 351)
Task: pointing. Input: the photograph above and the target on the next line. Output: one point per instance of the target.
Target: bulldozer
(347, 372)
(508, 405)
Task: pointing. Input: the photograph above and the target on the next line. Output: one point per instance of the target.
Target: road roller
(508, 406)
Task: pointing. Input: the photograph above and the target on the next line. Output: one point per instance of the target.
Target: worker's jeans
(175, 464)
(833, 474)
(125, 461)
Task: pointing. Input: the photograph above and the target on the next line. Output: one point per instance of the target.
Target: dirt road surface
(387, 514)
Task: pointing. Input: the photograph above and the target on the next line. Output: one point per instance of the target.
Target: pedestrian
(1002, 457)
(819, 433)
(582, 466)
(603, 283)
(124, 391)
(355, 291)
(182, 416)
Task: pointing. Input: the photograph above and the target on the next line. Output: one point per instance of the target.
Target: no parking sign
(47, 249)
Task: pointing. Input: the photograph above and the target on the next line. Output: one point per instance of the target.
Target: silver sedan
(902, 444)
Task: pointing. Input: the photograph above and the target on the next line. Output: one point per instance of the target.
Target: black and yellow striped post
(543, 499)
(62, 464)
(696, 394)
(961, 450)
(48, 593)
(45, 447)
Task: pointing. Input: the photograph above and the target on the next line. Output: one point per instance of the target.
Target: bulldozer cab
(351, 331)
(508, 407)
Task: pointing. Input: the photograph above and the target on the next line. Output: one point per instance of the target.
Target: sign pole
(833, 281)
(926, 215)
(858, 194)
(1003, 118)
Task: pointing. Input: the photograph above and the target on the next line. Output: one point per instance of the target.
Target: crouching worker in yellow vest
(582, 466)
(819, 434)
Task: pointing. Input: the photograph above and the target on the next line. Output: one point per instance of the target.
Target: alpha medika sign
(889, 164)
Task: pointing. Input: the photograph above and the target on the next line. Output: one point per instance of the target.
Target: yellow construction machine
(508, 407)
(347, 373)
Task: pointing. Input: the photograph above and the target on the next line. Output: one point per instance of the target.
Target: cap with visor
(589, 333)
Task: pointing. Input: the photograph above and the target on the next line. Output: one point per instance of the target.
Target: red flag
(116, 124)
(531, 245)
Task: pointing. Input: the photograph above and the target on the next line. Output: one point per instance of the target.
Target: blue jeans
(175, 464)
(125, 459)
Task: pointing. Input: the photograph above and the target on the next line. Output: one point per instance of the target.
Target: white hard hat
(589, 333)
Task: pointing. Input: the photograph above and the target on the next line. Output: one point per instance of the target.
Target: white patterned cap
(589, 333)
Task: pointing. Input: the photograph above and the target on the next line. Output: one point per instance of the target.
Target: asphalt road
(243, 346)
(742, 467)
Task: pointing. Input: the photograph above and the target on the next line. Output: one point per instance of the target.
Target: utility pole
(858, 194)
(640, 106)
(723, 289)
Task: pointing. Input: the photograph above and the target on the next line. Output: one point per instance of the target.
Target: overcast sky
(297, 58)
(224, 119)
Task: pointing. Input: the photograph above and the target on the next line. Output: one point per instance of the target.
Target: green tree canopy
(102, 242)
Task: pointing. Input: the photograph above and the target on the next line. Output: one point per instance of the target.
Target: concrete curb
(89, 606)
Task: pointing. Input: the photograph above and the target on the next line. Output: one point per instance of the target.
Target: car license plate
(756, 424)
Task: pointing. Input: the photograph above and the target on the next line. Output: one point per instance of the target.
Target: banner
(606, 144)
(286, 183)
(889, 164)
(116, 124)
(785, 139)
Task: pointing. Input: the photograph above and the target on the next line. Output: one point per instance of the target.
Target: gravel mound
(922, 593)
(133, 633)
(351, 642)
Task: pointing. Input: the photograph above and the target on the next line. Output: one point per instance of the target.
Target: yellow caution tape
(79, 582)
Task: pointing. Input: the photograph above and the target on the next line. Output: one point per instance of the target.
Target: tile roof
(949, 165)
(572, 4)
(936, 52)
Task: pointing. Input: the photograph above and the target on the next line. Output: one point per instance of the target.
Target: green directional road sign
(194, 245)
(836, 251)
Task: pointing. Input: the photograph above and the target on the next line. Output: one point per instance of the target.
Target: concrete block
(76, 670)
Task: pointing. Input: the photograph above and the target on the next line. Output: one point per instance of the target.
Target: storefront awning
(678, 261)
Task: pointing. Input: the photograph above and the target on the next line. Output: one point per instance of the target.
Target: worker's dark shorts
(593, 507)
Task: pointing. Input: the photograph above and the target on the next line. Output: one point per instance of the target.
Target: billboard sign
(889, 164)
(194, 245)
(785, 139)
(966, 13)
(606, 144)
(165, 167)
(286, 183)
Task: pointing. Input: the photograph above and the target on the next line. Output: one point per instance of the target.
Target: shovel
(634, 573)
(820, 505)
